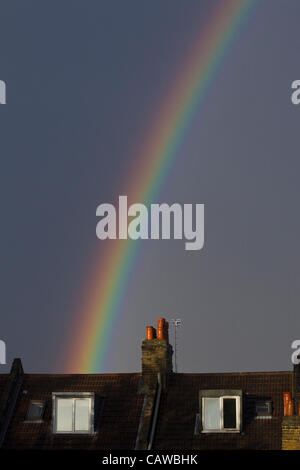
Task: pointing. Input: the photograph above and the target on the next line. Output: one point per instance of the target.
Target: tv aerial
(176, 323)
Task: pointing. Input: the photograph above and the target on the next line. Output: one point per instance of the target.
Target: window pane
(211, 413)
(229, 413)
(263, 408)
(35, 410)
(82, 414)
(64, 414)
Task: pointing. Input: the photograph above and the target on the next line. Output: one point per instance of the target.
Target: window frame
(73, 396)
(221, 395)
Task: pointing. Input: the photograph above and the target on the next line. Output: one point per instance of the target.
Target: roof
(180, 403)
(118, 408)
(118, 411)
(3, 380)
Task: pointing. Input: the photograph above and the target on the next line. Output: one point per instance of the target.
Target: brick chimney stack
(156, 355)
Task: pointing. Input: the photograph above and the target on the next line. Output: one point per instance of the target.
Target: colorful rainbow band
(89, 342)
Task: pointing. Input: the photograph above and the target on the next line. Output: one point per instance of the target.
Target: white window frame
(73, 397)
(222, 429)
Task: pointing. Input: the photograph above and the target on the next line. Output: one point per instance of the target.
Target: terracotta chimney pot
(290, 408)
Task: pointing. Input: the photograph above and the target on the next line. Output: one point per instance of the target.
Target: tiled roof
(180, 403)
(3, 380)
(118, 409)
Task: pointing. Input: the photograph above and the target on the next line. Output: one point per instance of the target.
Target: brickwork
(291, 433)
(156, 357)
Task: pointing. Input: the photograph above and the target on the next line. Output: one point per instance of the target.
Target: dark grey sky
(83, 81)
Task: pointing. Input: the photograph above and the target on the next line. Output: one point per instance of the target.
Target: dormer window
(220, 411)
(73, 413)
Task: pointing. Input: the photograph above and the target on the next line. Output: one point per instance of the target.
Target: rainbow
(110, 276)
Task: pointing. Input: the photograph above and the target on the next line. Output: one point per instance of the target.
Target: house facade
(154, 409)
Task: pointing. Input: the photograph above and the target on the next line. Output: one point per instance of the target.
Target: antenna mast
(176, 323)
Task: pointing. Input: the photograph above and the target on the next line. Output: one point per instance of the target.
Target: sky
(84, 79)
